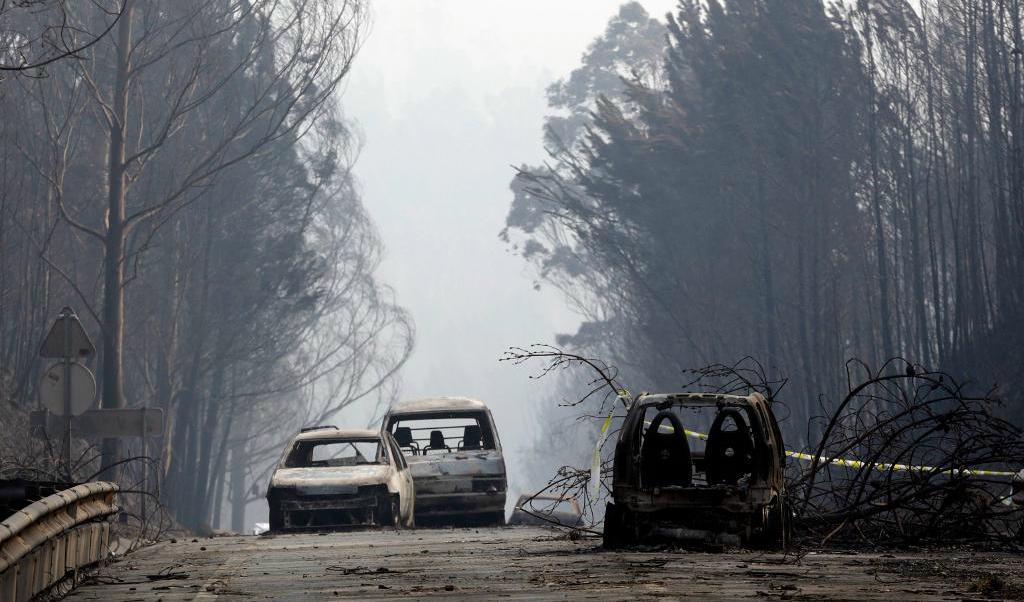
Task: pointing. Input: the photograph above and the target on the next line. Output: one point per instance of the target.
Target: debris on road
(525, 562)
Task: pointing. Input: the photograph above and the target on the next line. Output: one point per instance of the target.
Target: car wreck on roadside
(334, 479)
(725, 490)
(454, 454)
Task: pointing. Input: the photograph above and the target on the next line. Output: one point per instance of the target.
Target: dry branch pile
(935, 463)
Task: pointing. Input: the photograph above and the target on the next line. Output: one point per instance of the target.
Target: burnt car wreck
(333, 479)
(454, 455)
(727, 489)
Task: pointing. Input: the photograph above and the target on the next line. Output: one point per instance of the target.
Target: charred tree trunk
(114, 243)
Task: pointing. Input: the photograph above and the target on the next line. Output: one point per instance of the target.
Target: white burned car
(454, 454)
(330, 478)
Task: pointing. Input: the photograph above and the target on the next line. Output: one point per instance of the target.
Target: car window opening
(669, 458)
(335, 452)
(447, 432)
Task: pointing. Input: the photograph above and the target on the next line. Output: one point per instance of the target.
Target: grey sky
(449, 94)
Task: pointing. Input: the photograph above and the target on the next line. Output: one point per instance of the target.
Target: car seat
(470, 437)
(403, 437)
(729, 454)
(665, 457)
(436, 442)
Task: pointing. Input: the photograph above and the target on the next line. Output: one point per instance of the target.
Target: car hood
(460, 463)
(328, 480)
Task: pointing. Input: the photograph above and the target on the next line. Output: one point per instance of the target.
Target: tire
(614, 534)
(276, 518)
(389, 512)
(775, 526)
(497, 519)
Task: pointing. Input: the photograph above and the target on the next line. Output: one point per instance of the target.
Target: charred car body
(455, 457)
(728, 490)
(330, 478)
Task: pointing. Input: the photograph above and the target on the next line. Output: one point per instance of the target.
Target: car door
(407, 497)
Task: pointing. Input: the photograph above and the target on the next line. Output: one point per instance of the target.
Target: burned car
(726, 489)
(330, 478)
(547, 510)
(454, 454)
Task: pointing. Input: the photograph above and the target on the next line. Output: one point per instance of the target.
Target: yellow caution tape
(884, 467)
(880, 466)
(595, 463)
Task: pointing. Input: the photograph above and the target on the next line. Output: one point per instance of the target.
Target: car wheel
(775, 526)
(614, 535)
(496, 519)
(276, 518)
(389, 512)
(396, 512)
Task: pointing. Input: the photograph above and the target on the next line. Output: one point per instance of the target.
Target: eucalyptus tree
(215, 82)
(38, 33)
(186, 181)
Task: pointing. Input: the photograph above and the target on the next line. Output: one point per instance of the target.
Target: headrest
(403, 436)
(471, 436)
(665, 459)
(654, 430)
(741, 432)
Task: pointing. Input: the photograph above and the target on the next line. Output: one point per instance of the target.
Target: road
(527, 563)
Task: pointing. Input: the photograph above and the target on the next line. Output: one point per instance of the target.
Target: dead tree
(38, 33)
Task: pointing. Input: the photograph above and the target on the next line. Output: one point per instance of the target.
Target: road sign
(119, 422)
(83, 389)
(67, 338)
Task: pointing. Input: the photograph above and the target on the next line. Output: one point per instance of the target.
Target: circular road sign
(83, 389)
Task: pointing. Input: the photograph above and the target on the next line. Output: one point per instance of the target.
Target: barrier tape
(881, 467)
(595, 462)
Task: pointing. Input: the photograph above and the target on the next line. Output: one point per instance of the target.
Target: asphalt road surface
(529, 563)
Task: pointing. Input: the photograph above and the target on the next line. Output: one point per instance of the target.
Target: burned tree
(37, 33)
(186, 181)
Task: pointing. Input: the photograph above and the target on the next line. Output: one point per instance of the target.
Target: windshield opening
(730, 461)
(425, 433)
(336, 452)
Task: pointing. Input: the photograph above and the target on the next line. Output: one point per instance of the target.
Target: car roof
(697, 399)
(332, 432)
(437, 404)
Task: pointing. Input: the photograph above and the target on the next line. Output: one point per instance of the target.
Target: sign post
(67, 387)
(66, 341)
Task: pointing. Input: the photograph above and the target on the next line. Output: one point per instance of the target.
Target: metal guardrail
(54, 537)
